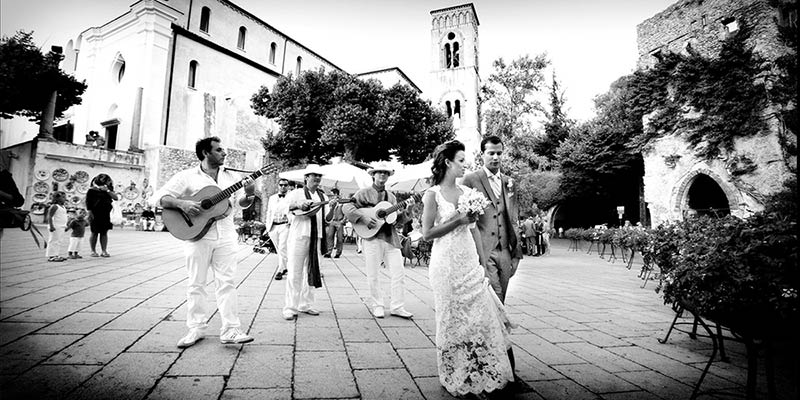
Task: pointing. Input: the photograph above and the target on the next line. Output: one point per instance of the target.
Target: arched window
(451, 52)
(457, 109)
(192, 73)
(118, 69)
(299, 66)
(242, 37)
(449, 108)
(273, 47)
(205, 17)
(455, 54)
(448, 56)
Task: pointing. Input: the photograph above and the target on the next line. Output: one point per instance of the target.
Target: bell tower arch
(454, 71)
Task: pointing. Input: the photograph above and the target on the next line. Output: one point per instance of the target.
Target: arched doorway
(706, 197)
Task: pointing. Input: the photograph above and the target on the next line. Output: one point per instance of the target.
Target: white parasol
(346, 177)
(411, 178)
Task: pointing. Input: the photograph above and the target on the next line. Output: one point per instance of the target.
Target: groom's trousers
(500, 267)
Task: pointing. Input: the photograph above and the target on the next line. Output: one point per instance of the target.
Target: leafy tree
(512, 88)
(557, 126)
(329, 114)
(28, 78)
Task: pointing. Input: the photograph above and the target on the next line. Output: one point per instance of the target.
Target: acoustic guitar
(384, 212)
(213, 201)
(317, 205)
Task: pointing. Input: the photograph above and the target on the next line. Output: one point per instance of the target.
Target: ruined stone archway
(705, 192)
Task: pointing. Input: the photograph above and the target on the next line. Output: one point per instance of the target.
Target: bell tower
(454, 74)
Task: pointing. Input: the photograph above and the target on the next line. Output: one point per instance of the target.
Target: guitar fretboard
(238, 185)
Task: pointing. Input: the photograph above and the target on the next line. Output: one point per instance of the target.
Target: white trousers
(375, 252)
(74, 244)
(279, 234)
(219, 256)
(299, 295)
(54, 242)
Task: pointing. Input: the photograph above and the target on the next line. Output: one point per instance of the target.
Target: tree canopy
(28, 78)
(327, 114)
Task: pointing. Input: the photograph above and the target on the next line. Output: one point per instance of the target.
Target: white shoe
(378, 312)
(402, 313)
(191, 338)
(288, 315)
(235, 336)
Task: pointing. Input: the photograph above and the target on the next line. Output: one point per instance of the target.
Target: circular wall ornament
(40, 197)
(42, 175)
(41, 187)
(82, 176)
(83, 188)
(131, 193)
(38, 208)
(60, 174)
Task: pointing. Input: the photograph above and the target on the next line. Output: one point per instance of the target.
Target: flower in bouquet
(472, 202)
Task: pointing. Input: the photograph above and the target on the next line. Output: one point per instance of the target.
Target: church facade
(161, 76)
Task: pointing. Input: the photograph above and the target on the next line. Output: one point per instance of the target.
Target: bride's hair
(445, 151)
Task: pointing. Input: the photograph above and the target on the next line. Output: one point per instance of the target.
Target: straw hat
(381, 166)
(313, 169)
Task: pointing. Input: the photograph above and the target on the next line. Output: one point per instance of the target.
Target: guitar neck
(232, 188)
(397, 206)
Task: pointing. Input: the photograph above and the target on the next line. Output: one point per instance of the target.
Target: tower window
(273, 47)
(451, 52)
(448, 56)
(457, 110)
(118, 69)
(192, 74)
(205, 17)
(451, 36)
(242, 37)
(455, 54)
(449, 109)
(299, 66)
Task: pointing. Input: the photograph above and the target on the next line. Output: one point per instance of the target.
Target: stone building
(455, 79)
(676, 181)
(161, 76)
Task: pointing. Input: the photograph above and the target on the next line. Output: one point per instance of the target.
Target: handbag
(18, 218)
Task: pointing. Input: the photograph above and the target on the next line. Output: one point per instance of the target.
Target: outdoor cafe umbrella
(411, 178)
(346, 177)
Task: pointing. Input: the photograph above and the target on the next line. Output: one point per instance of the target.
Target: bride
(471, 323)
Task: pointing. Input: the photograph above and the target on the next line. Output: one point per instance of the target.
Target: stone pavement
(101, 328)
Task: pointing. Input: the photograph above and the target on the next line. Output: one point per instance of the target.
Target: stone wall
(172, 160)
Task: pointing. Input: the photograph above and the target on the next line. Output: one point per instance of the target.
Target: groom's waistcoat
(501, 222)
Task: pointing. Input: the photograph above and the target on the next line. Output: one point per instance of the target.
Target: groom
(497, 224)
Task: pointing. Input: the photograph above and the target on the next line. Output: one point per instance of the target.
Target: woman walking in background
(99, 200)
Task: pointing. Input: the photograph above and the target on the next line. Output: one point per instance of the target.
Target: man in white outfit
(384, 247)
(216, 251)
(278, 225)
(306, 236)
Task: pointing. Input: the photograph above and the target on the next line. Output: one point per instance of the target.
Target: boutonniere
(510, 184)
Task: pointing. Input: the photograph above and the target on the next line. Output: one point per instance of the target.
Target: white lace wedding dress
(471, 323)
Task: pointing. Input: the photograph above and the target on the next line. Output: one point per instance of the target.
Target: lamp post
(49, 112)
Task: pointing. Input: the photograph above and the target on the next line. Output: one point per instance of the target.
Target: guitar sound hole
(206, 204)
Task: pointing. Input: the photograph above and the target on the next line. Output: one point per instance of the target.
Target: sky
(590, 43)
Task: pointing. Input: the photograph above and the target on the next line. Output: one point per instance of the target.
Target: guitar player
(384, 247)
(216, 250)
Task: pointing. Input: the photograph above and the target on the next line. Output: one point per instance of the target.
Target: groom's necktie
(494, 182)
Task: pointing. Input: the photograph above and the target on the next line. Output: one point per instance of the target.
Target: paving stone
(185, 387)
(404, 338)
(420, 362)
(373, 355)
(432, 389)
(162, 338)
(601, 357)
(260, 394)
(557, 335)
(49, 381)
(562, 389)
(360, 330)
(129, 376)
(206, 357)
(36, 347)
(323, 375)
(545, 351)
(600, 339)
(530, 368)
(351, 311)
(99, 347)
(326, 319)
(272, 332)
(595, 378)
(116, 305)
(263, 367)
(659, 384)
(637, 395)
(10, 331)
(319, 339)
(428, 326)
(380, 384)
(50, 312)
(138, 319)
(80, 323)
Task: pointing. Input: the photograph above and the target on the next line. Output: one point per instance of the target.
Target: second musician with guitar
(384, 246)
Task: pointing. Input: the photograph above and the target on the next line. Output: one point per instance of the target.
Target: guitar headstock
(345, 201)
(268, 168)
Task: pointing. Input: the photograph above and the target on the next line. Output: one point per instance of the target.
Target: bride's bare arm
(476, 236)
(430, 232)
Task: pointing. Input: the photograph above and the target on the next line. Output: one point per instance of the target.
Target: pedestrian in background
(99, 201)
(57, 223)
(335, 234)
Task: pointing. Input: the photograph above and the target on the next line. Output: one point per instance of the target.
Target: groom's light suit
(497, 226)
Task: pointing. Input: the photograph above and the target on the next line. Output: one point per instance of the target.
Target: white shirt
(277, 209)
(494, 182)
(301, 225)
(190, 181)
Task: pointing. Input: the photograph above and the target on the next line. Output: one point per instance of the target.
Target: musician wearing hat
(306, 241)
(384, 246)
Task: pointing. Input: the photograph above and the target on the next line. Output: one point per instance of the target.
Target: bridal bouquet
(472, 202)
